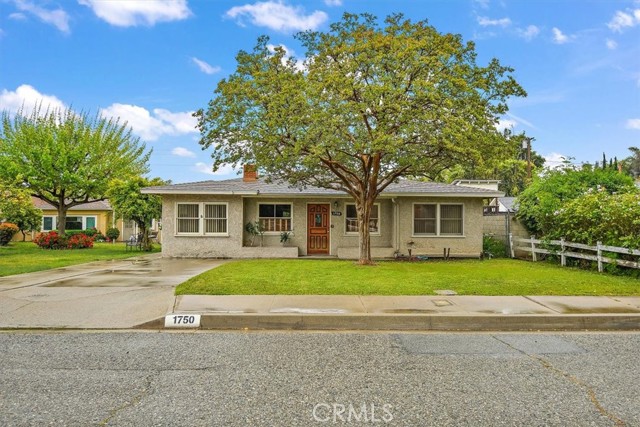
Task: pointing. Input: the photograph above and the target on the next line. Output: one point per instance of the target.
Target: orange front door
(318, 224)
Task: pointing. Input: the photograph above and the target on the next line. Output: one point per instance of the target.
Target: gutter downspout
(396, 225)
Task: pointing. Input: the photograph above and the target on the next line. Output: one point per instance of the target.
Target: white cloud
(205, 67)
(17, 16)
(277, 16)
(611, 44)
(486, 22)
(182, 152)
(58, 17)
(333, 2)
(149, 126)
(633, 124)
(484, 4)
(505, 124)
(554, 160)
(558, 36)
(131, 13)
(622, 20)
(27, 97)
(208, 169)
(529, 33)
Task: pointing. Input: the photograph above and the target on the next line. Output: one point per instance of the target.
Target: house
(98, 214)
(208, 218)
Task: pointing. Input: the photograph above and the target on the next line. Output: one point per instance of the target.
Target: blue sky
(152, 63)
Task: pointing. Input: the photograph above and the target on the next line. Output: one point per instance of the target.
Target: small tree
(17, 207)
(129, 203)
(67, 158)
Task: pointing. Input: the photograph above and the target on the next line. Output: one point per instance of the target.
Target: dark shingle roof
(240, 187)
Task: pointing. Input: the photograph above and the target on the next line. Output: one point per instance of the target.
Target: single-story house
(208, 218)
(98, 214)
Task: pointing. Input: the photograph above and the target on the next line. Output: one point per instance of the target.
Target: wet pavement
(104, 294)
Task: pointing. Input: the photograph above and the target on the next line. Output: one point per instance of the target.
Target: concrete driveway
(104, 294)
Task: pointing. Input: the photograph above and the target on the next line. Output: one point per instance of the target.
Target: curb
(412, 322)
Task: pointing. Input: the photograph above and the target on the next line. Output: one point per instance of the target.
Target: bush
(7, 231)
(50, 240)
(493, 248)
(53, 240)
(112, 234)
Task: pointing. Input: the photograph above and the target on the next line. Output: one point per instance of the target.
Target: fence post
(511, 249)
(599, 248)
(563, 258)
(533, 249)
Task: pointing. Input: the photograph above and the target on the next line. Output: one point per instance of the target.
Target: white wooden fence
(563, 249)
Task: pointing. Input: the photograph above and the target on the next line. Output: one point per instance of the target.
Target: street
(293, 378)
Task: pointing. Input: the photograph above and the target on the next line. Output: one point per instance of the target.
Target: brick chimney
(249, 173)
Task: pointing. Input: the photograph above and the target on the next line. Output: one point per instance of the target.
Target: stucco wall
(496, 226)
(469, 244)
(243, 210)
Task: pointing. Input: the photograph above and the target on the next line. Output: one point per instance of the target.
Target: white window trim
(355, 233)
(54, 222)
(201, 220)
(84, 221)
(274, 233)
(438, 233)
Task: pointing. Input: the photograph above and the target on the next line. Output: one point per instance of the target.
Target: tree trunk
(62, 218)
(364, 205)
(146, 244)
(24, 236)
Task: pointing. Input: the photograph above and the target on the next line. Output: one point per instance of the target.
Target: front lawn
(26, 257)
(466, 277)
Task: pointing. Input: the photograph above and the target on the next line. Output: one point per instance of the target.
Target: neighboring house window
(274, 217)
(89, 222)
(201, 219)
(351, 219)
(48, 223)
(73, 223)
(438, 219)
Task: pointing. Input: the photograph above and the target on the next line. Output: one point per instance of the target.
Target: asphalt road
(316, 379)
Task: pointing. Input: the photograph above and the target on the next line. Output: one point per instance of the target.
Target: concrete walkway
(139, 292)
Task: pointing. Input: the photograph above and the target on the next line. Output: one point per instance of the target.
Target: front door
(318, 224)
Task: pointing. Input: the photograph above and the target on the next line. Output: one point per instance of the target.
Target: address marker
(182, 321)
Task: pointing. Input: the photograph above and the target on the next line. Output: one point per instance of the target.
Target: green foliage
(7, 231)
(113, 234)
(16, 207)
(374, 103)
(67, 158)
(613, 219)
(631, 165)
(255, 229)
(129, 203)
(55, 240)
(493, 248)
(540, 204)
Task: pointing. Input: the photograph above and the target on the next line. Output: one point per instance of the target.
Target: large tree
(371, 103)
(129, 203)
(67, 158)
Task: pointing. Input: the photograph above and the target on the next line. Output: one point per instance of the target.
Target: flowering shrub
(53, 240)
(7, 231)
(80, 241)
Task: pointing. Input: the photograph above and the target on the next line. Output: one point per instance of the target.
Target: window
(73, 223)
(351, 219)
(274, 217)
(201, 219)
(424, 219)
(89, 222)
(438, 219)
(48, 223)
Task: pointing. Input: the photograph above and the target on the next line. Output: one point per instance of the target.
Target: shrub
(7, 231)
(493, 248)
(112, 234)
(80, 241)
(50, 240)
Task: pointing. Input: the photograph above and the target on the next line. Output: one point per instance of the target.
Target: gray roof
(100, 205)
(260, 187)
(509, 203)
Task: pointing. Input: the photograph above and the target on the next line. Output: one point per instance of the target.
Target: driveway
(104, 294)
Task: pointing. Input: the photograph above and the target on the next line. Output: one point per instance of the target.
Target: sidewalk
(469, 313)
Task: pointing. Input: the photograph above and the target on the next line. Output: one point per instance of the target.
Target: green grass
(26, 257)
(466, 277)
